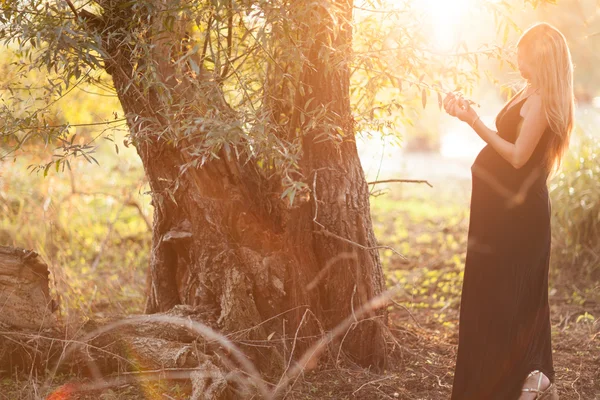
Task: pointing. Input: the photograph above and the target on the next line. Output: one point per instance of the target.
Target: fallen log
(173, 345)
(25, 308)
(25, 300)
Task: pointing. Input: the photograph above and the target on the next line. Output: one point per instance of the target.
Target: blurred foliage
(90, 224)
(400, 73)
(575, 193)
(579, 21)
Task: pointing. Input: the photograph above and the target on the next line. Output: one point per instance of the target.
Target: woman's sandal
(547, 394)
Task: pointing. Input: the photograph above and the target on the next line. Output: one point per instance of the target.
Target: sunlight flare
(446, 19)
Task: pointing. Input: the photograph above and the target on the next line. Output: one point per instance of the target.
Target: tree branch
(400, 181)
(84, 14)
(75, 125)
(229, 40)
(72, 7)
(206, 39)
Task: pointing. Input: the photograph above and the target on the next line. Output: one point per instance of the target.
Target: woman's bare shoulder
(533, 105)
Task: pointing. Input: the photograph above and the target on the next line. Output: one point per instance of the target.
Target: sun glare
(447, 19)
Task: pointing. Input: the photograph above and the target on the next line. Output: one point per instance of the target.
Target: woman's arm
(517, 154)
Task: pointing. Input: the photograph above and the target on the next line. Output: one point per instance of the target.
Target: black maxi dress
(504, 324)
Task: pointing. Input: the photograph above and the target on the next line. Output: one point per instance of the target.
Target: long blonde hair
(549, 60)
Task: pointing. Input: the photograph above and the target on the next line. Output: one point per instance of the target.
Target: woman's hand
(457, 106)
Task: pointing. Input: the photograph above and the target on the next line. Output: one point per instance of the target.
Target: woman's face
(524, 64)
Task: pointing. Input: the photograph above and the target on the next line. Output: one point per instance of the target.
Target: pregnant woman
(504, 347)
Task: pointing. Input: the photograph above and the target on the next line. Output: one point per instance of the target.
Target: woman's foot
(534, 386)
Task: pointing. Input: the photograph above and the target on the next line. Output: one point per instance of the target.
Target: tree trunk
(224, 241)
(340, 191)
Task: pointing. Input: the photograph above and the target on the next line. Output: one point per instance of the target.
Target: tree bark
(25, 307)
(222, 240)
(25, 301)
(340, 195)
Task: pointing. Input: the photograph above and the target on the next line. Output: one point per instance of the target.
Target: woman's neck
(530, 89)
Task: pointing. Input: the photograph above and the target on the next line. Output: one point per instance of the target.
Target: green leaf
(308, 103)
(169, 23)
(286, 192)
(194, 66)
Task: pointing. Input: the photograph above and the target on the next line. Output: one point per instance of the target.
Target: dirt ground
(429, 227)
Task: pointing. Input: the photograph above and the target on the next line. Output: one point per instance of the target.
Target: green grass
(429, 227)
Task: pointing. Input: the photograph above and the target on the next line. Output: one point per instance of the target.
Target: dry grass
(90, 240)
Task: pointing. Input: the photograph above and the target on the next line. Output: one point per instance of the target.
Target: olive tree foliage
(251, 51)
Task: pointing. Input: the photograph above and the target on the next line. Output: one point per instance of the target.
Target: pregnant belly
(498, 175)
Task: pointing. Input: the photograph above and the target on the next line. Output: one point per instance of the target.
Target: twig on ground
(293, 347)
(438, 379)
(407, 310)
(575, 380)
(137, 376)
(372, 382)
(229, 335)
(195, 326)
(66, 341)
(310, 356)
(72, 7)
